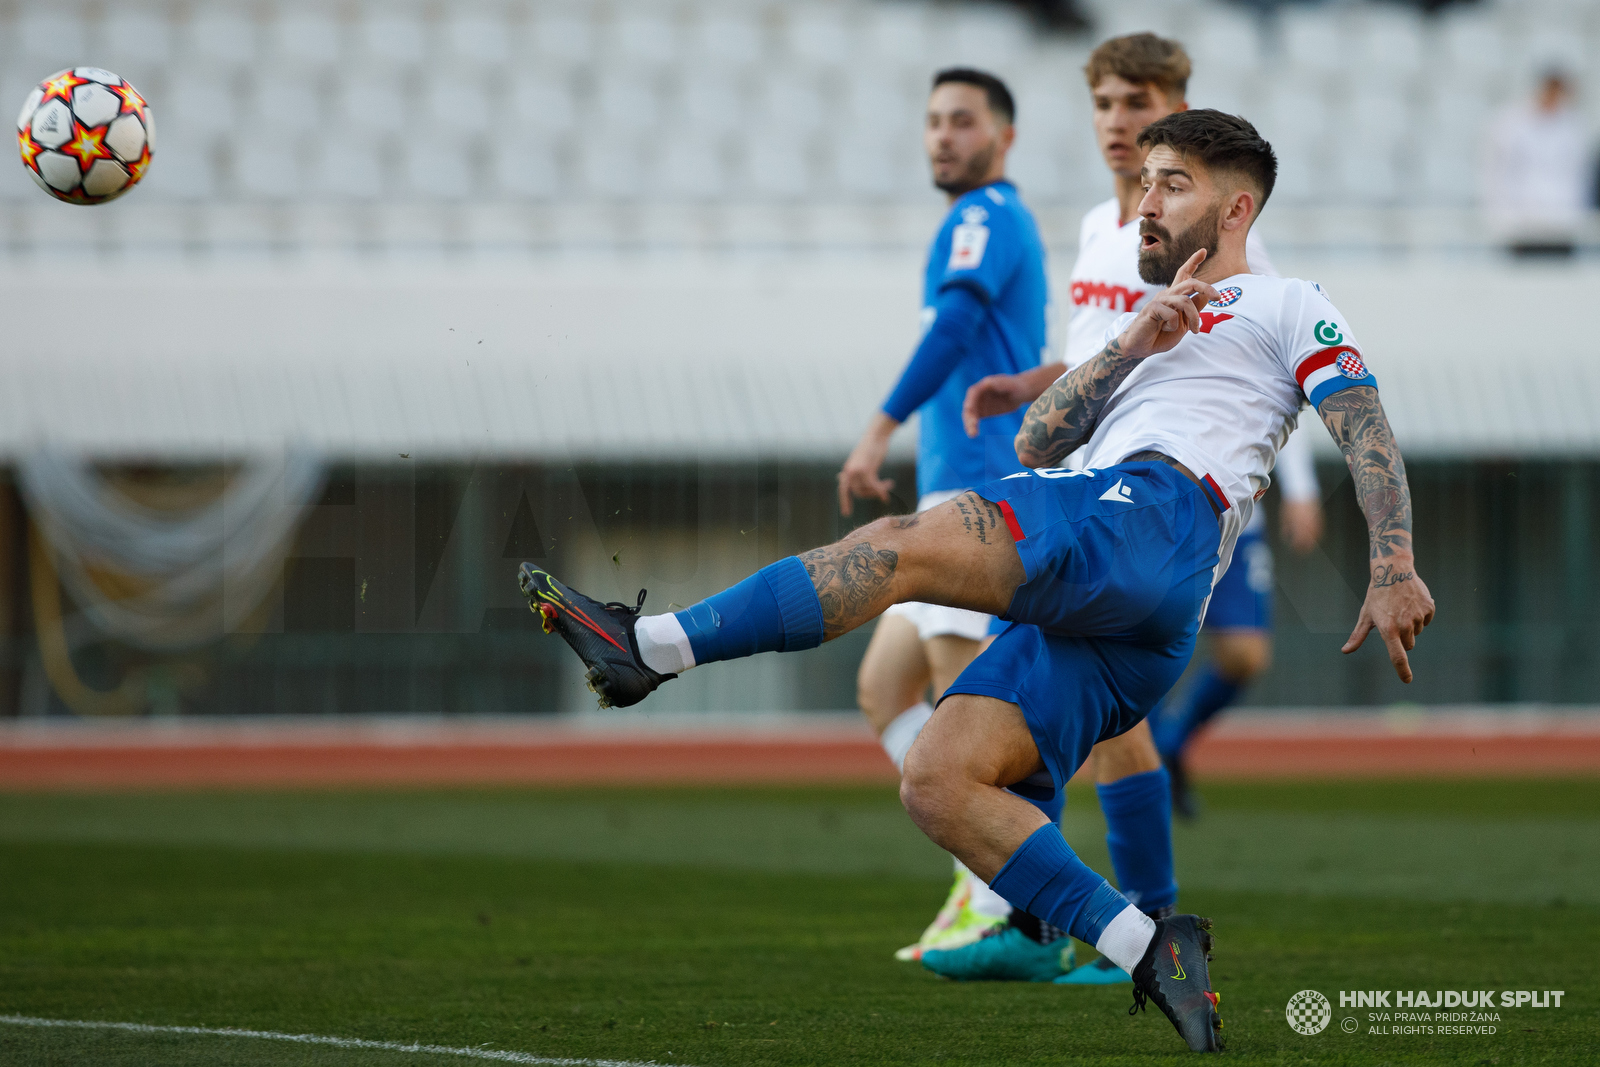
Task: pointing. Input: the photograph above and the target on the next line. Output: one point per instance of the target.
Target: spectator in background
(1534, 181)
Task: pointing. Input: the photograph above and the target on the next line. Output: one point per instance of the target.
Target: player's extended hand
(859, 475)
(1301, 522)
(1398, 606)
(1170, 314)
(998, 394)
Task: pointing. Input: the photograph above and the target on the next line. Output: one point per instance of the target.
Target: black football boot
(1173, 974)
(601, 635)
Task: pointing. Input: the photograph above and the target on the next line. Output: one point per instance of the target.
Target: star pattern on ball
(29, 147)
(131, 100)
(137, 168)
(61, 86)
(87, 145)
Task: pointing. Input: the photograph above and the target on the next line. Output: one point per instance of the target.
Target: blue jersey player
(1103, 571)
(984, 300)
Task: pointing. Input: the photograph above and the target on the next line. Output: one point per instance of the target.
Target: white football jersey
(1223, 401)
(1105, 278)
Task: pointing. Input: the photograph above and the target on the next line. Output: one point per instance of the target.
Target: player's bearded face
(955, 176)
(1159, 264)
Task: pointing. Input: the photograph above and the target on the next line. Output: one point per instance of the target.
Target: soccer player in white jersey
(1103, 571)
(1133, 81)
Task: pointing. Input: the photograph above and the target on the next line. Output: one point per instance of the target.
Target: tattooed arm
(1064, 417)
(1398, 604)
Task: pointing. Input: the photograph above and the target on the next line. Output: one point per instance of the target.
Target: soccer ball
(85, 135)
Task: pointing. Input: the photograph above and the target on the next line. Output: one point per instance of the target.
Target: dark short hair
(999, 97)
(1220, 141)
(1143, 59)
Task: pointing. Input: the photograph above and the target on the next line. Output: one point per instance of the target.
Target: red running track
(282, 753)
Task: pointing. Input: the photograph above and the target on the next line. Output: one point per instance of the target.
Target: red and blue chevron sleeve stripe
(1324, 373)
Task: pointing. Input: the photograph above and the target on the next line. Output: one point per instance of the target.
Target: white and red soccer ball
(85, 135)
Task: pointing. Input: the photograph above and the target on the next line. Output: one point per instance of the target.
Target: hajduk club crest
(1350, 365)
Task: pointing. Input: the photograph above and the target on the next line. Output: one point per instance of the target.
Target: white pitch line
(319, 1039)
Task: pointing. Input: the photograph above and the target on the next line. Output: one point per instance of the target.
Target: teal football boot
(1100, 972)
(1007, 955)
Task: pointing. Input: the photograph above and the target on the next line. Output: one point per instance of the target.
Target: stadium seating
(774, 114)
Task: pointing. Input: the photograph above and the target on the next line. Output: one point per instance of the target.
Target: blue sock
(774, 610)
(1046, 879)
(1138, 812)
(1173, 727)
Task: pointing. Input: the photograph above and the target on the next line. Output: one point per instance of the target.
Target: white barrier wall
(672, 359)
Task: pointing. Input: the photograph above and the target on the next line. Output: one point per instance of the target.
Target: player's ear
(1238, 209)
(1008, 136)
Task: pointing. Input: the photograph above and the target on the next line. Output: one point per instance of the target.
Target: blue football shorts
(1243, 598)
(1119, 564)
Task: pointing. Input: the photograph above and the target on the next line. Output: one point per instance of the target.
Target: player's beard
(972, 174)
(1160, 266)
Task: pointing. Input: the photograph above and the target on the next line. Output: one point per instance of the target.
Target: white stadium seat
(308, 35)
(478, 37)
(745, 106)
(221, 34)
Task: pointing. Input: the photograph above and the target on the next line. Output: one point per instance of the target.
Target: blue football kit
(985, 299)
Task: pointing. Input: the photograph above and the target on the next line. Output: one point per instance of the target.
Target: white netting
(168, 579)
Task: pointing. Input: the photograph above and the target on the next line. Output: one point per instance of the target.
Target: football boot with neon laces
(958, 923)
(1174, 976)
(601, 635)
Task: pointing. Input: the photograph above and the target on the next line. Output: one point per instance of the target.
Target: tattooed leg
(959, 554)
(852, 582)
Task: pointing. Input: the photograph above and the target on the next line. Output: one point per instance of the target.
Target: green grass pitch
(756, 926)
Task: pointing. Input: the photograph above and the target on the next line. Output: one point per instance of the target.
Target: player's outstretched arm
(1398, 604)
(1064, 416)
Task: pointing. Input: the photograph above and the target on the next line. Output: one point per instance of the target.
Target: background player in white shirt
(1133, 81)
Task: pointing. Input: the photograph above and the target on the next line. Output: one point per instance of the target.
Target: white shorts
(935, 620)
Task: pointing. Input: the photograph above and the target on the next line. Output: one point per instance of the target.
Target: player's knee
(1244, 657)
(888, 532)
(928, 789)
(881, 702)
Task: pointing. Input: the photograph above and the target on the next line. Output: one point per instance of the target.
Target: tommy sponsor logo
(1106, 295)
(1226, 296)
(1208, 319)
(1327, 332)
